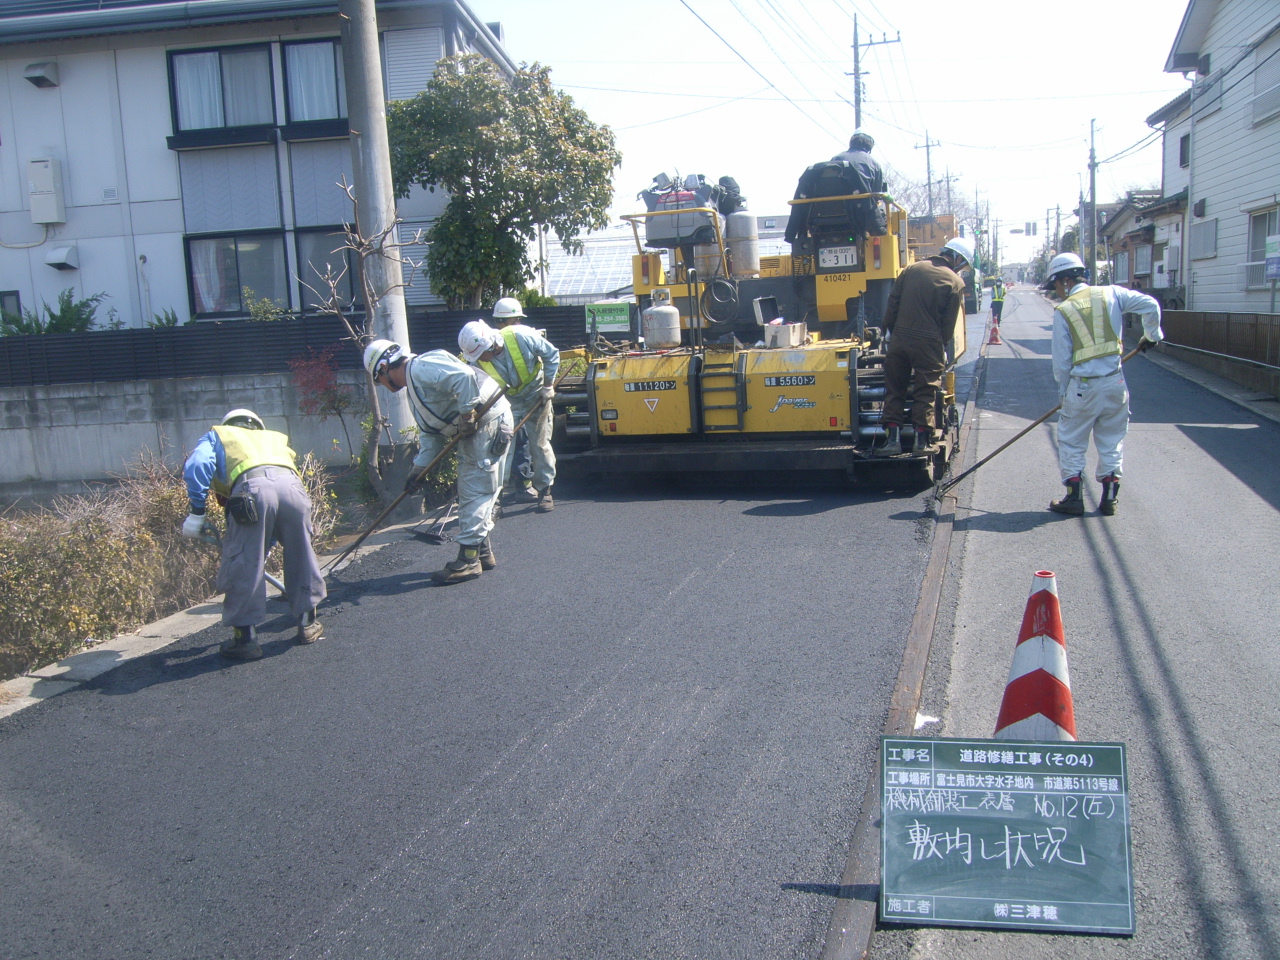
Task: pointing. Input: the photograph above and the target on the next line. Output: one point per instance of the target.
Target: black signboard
(998, 833)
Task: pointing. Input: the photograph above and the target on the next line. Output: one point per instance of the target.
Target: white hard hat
(1063, 263)
(961, 248)
(240, 417)
(379, 353)
(507, 308)
(475, 338)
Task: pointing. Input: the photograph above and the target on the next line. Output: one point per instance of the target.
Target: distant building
(173, 155)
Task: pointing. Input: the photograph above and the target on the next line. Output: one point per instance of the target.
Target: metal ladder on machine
(711, 380)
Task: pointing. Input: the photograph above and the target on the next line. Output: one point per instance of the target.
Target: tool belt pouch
(502, 439)
(243, 509)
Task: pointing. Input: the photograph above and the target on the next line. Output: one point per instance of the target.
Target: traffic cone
(1037, 698)
(995, 333)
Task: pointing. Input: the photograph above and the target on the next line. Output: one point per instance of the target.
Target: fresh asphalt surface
(645, 735)
(1170, 610)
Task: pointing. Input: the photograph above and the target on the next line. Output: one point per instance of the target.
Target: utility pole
(928, 166)
(375, 197)
(857, 68)
(1093, 208)
(1057, 229)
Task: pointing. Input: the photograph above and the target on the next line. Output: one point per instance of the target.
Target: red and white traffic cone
(1037, 698)
(995, 333)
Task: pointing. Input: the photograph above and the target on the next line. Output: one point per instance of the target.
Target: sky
(759, 89)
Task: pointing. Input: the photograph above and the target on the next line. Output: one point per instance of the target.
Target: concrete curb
(79, 668)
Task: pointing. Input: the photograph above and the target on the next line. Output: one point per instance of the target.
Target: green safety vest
(1089, 319)
(247, 449)
(517, 357)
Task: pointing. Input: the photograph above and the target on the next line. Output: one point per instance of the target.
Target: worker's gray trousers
(538, 428)
(480, 459)
(1097, 406)
(284, 516)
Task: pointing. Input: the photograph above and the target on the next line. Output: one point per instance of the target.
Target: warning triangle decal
(651, 403)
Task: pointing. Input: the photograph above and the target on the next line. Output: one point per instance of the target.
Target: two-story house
(1231, 157)
(185, 157)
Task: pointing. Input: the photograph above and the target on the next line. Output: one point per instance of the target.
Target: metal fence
(1246, 336)
(229, 348)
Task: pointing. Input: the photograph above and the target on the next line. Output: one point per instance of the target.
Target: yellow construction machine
(755, 363)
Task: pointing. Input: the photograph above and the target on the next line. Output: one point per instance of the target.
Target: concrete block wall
(54, 439)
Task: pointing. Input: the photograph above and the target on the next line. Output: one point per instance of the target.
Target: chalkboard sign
(999, 833)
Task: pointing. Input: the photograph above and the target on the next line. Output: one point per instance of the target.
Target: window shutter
(410, 57)
(231, 189)
(417, 290)
(1203, 239)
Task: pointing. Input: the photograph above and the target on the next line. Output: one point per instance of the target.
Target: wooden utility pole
(374, 194)
(928, 166)
(1093, 208)
(857, 68)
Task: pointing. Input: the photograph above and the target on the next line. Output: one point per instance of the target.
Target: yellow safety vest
(525, 376)
(247, 449)
(997, 293)
(1089, 320)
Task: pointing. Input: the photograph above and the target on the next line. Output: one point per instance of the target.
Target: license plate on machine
(838, 256)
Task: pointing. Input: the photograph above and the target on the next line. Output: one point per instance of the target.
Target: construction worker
(526, 363)
(1086, 364)
(859, 154)
(920, 322)
(506, 312)
(851, 171)
(253, 471)
(997, 299)
(446, 396)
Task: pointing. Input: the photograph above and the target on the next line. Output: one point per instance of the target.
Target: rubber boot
(466, 566)
(243, 645)
(924, 441)
(545, 503)
(1110, 496)
(485, 555)
(1073, 503)
(892, 445)
(309, 628)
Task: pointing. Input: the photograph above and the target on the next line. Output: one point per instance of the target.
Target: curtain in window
(198, 90)
(313, 86)
(318, 252)
(262, 267)
(213, 275)
(246, 87)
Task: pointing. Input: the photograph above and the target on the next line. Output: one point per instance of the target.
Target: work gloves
(1144, 345)
(194, 526)
(414, 481)
(467, 424)
(548, 391)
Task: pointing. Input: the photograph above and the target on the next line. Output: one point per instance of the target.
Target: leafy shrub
(71, 316)
(92, 566)
(264, 310)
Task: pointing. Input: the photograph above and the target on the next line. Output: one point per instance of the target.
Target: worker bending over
(446, 396)
(1086, 364)
(526, 363)
(920, 320)
(253, 471)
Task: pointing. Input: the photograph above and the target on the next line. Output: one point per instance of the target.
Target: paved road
(645, 735)
(1170, 610)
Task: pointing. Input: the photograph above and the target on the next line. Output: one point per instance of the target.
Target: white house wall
(106, 123)
(1236, 164)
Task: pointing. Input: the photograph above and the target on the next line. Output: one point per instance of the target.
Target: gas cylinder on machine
(743, 240)
(660, 322)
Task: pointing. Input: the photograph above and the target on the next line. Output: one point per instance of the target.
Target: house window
(321, 252)
(1202, 239)
(230, 87)
(1184, 150)
(1122, 266)
(10, 303)
(1142, 260)
(1262, 224)
(226, 271)
(1266, 80)
(314, 82)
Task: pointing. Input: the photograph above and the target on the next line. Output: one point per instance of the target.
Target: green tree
(512, 153)
(71, 316)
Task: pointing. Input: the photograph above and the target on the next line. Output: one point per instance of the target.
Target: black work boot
(924, 441)
(1110, 496)
(892, 445)
(309, 628)
(545, 503)
(485, 555)
(243, 644)
(1073, 503)
(466, 566)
